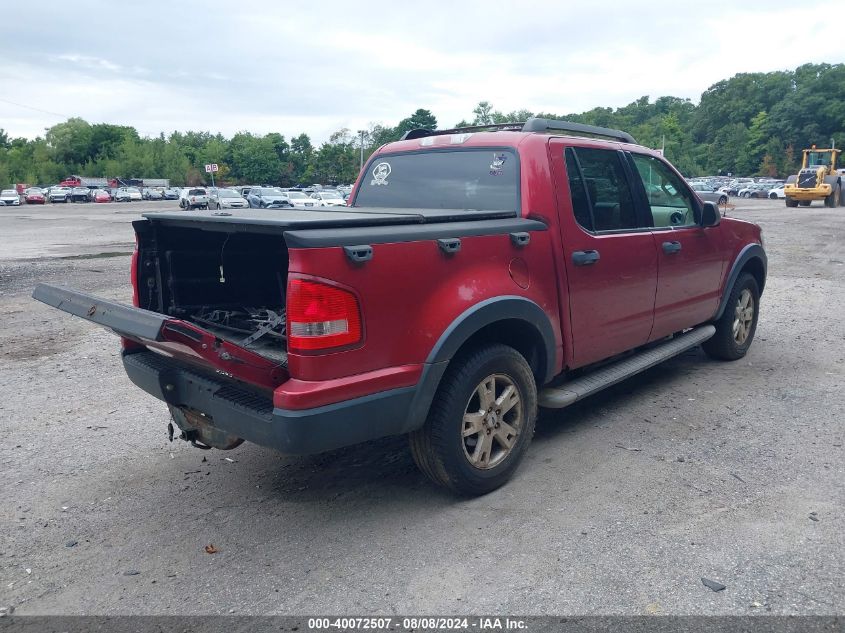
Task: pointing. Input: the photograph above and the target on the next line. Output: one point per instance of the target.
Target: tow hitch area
(197, 428)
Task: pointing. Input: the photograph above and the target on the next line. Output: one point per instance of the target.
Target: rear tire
(480, 422)
(790, 202)
(723, 200)
(736, 327)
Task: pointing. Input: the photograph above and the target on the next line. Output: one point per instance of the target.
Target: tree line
(750, 124)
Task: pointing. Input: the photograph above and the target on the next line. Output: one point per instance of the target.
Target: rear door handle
(585, 258)
(671, 247)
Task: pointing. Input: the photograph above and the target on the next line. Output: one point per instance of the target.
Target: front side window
(670, 201)
(601, 197)
(483, 179)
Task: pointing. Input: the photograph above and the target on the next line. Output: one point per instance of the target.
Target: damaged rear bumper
(250, 414)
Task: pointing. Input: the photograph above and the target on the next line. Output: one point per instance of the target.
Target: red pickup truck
(476, 275)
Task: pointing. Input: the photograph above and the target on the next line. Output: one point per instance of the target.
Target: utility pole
(362, 132)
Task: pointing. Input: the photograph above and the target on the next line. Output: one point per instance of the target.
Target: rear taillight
(320, 316)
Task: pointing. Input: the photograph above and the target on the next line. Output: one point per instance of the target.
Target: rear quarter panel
(410, 292)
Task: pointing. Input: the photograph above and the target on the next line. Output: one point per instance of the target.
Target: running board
(567, 393)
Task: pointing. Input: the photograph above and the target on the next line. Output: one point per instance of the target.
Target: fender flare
(459, 332)
(751, 251)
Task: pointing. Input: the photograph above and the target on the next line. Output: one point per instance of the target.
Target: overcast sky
(317, 66)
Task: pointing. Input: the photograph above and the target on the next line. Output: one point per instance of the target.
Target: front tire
(736, 327)
(480, 423)
(791, 202)
(723, 200)
(832, 201)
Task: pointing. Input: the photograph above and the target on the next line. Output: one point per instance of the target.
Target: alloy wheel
(492, 421)
(743, 317)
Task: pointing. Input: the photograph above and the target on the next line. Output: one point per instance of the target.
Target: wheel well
(515, 333)
(755, 267)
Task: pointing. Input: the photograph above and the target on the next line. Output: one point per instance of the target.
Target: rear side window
(485, 179)
(599, 186)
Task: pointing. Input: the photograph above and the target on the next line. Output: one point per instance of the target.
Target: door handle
(585, 258)
(671, 247)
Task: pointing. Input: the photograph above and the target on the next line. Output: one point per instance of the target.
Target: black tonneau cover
(281, 220)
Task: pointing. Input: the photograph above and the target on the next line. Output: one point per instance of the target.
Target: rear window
(196, 192)
(467, 179)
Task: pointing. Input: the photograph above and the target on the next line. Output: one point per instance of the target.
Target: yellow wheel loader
(817, 179)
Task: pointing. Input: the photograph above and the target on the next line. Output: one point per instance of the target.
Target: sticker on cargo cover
(380, 174)
(497, 164)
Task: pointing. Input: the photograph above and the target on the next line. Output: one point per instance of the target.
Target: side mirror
(710, 215)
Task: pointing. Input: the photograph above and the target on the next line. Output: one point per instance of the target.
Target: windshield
(814, 159)
(330, 196)
(463, 179)
(296, 195)
(271, 191)
(132, 190)
(8, 192)
(227, 193)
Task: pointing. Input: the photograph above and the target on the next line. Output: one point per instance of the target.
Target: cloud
(316, 67)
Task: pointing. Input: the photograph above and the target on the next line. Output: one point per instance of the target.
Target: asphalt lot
(728, 471)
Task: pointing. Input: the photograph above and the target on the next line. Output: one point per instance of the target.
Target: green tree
(483, 113)
(419, 120)
(71, 142)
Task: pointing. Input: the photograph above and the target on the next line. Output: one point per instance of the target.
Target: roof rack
(493, 127)
(531, 125)
(578, 129)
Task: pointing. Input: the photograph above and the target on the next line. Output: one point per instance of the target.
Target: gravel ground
(728, 471)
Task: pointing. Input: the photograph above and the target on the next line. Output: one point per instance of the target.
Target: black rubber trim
(751, 251)
(321, 238)
(250, 415)
(491, 311)
(467, 324)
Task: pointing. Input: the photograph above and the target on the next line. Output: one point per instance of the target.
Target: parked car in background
(34, 195)
(708, 194)
(10, 198)
(194, 198)
(151, 194)
(127, 194)
(300, 200)
(755, 190)
(226, 199)
(269, 198)
(777, 193)
(59, 194)
(170, 194)
(79, 194)
(101, 195)
(329, 199)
